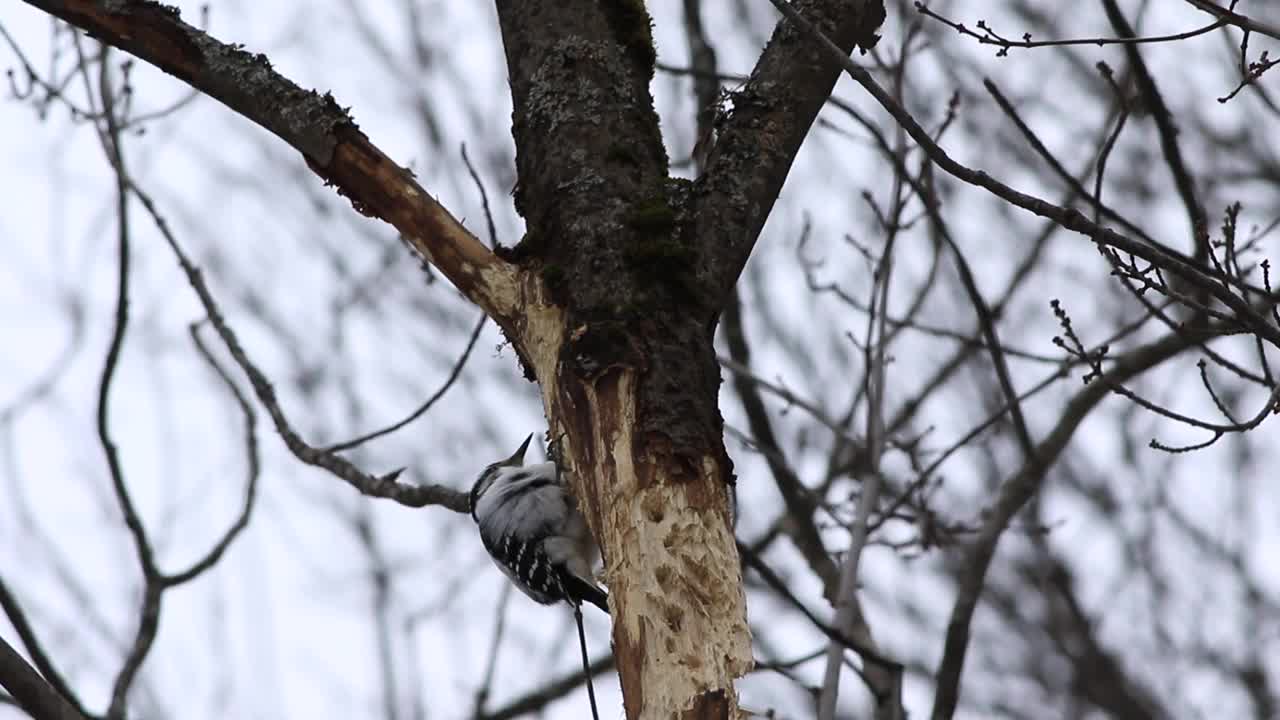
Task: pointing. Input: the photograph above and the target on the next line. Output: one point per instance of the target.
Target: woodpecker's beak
(517, 459)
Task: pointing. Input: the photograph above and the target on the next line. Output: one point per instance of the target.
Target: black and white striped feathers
(530, 524)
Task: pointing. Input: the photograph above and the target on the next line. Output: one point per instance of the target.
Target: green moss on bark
(633, 28)
(653, 215)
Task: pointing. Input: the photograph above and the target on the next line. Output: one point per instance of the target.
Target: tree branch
(538, 699)
(374, 485)
(1013, 495)
(30, 690)
(771, 117)
(313, 124)
(1214, 285)
(1153, 101)
(18, 619)
(252, 462)
(424, 407)
(153, 589)
(1243, 22)
(886, 686)
(801, 507)
(989, 36)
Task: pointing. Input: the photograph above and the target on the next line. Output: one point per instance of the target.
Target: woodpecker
(530, 524)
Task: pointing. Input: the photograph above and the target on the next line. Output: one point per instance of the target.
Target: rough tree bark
(635, 269)
(612, 298)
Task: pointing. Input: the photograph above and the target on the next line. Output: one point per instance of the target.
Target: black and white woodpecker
(530, 523)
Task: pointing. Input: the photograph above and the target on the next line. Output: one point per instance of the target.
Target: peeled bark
(661, 516)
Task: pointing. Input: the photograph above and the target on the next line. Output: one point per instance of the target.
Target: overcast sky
(355, 336)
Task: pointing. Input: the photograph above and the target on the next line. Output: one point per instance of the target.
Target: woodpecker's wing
(527, 565)
(532, 529)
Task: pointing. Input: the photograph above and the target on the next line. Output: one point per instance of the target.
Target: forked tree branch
(771, 117)
(1017, 490)
(373, 485)
(1167, 128)
(1218, 286)
(1244, 22)
(1014, 494)
(313, 124)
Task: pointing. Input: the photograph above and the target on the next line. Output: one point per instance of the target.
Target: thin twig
(149, 613)
(1171, 261)
(535, 701)
(790, 398)
(989, 36)
(253, 467)
(848, 611)
(384, 486)
(1244, 22)
(431, 401)
(484, 198)
(868, 654)
(1056, 165)
(1153, 102)
(798, 499)
(499, 627)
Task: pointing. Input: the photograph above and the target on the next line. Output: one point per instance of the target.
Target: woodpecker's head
(491, 473)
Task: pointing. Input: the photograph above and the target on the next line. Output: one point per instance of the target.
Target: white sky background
(282, 628)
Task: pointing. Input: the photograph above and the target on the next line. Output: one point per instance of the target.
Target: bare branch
(801, 507)
(30, 691)
(533, 702)
(772, 115)
(1154, 102)
(499, 629)
(35, 649)
(252, 462)
(484, 197)
(1056, 165)
(313, 124)
(1241, 21)
(375, 485)
(1184, 267)
(849, 618)
(149, 613)
(422, 409)
(1012, 496)
(869, 654)
(989, 36)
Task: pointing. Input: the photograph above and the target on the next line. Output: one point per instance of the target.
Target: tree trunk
(657, 499)
(618, 321)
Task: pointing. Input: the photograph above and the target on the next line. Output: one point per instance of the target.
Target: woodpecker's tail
(580, 590)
